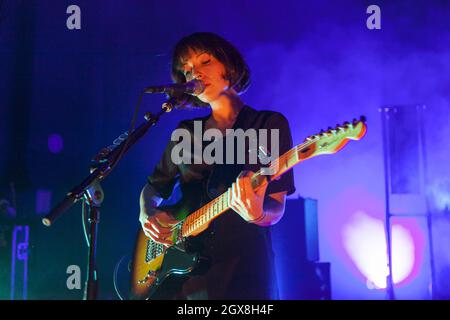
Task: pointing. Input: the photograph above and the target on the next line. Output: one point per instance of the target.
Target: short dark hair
(236, 69)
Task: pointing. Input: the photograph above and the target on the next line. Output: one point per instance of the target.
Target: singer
(238, 257)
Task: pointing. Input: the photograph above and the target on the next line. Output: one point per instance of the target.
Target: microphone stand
(94, 197)
(91, 190)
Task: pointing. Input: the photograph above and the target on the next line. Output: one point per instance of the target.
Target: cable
(116, 160)
(83, 218)
(131, 129)
(116, 270)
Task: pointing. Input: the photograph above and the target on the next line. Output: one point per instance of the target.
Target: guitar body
(156, 278)
(158, 272)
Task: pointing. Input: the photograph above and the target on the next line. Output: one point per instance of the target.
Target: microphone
(194, 87)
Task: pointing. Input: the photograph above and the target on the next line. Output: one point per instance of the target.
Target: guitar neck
(200, 219)
(326, 142)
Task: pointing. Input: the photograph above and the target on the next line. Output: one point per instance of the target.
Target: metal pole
(92, 280)
(422, 145)
(390, 294)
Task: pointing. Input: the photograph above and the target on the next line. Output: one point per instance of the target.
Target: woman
(238, 243)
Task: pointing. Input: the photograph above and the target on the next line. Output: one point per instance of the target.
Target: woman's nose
(196, 74)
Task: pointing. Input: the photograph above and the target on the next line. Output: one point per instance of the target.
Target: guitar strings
(289, 153)
(297, 148)
(276, 162)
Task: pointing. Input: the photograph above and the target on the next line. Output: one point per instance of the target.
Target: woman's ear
(228, 77)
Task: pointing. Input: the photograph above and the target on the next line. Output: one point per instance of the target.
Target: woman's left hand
(244, 200)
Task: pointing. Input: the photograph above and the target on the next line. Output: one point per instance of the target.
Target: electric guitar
(154, 264)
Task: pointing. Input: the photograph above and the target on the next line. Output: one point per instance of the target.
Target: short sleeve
(165, 174)
(286, 181)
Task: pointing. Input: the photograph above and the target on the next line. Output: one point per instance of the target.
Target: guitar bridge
(151, 274)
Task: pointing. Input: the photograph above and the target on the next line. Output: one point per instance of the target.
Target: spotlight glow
(365, 241)
(55, 143)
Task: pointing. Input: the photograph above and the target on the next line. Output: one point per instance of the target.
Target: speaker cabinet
(295, 242)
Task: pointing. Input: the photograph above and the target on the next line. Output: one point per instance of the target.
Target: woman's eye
(206, 61)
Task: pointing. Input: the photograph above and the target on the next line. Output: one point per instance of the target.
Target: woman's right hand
(157, 225)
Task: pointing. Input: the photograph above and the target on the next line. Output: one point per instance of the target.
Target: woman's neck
(226, 108)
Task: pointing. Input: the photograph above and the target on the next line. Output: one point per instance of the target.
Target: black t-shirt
(240, 252)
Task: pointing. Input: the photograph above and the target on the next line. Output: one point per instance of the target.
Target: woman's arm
(148, 199)
(273, 209)
(155, 223)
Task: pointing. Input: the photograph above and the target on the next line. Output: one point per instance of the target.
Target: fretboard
(201, 218)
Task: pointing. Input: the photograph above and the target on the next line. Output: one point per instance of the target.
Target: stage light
(55, 143)
(365, 242)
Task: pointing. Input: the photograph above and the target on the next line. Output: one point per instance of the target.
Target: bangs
(181, 52)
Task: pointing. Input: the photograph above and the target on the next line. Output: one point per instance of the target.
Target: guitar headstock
(334, 139)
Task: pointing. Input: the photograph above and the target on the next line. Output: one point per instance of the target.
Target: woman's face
(205, 67)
